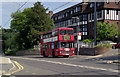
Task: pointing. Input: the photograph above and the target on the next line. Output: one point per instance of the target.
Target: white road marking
(68, 64)
(9, 60)
(13, 66)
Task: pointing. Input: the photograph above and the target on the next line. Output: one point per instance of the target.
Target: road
(64, 66)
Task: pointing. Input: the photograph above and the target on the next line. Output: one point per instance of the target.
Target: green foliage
(106, 31)
(8, 37)
(88, 40)
(118, 34)
(104, 45)
(10, 52)
(30, 24)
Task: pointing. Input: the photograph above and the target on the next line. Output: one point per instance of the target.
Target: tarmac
(6, 64)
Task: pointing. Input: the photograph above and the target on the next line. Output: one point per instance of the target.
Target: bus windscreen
(64, 32)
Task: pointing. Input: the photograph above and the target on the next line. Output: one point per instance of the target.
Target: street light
(77, 27)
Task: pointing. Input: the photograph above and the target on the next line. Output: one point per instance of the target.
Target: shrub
(88, 40)
(104, 45)
(10, 52)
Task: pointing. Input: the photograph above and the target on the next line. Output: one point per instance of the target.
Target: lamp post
(9, 39)
(77, 27)
(14, 30)
(95, 22)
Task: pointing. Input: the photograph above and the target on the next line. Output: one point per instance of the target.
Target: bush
(104, 45)
(10, 52)
(88, 40)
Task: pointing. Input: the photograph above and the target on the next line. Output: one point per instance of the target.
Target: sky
(7, 7)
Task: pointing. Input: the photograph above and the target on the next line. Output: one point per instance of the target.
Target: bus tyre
(66, 56)
(44, 54)
(113, 47)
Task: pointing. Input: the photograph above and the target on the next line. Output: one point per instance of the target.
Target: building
(106, 12)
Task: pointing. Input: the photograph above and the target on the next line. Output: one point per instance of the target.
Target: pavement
(6, 65)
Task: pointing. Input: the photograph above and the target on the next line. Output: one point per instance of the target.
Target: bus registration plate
(66, 38)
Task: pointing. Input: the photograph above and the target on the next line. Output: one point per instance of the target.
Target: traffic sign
(79, 34)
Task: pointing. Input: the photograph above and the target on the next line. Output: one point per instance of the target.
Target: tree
(106, 31)
(118, 36)
(8, 39)
(30, 24)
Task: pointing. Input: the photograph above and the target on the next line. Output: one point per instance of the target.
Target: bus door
(52, 45)
(56, 48)
(49, 49)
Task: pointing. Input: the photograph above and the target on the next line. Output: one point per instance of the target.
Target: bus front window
(62, 32)
(70, 32)
(67, 45)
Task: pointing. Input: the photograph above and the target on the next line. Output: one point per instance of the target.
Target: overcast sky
(7, 7)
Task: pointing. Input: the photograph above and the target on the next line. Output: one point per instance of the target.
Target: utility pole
(14, 39)
(9, 39)
(95, 23)
(77, 27)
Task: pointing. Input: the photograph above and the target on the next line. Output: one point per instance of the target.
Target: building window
(85, 17)
(99, 14)
(81, 30)
(91, 5)
(55, 18)
(117, 12)
(78, 8)
(92, 16)
(71, 12)
(107, 11)
(99, 4)
(75, 10)
(66, 14)
(80, 18)
(84, 29)
(117, 2)
(107, 1)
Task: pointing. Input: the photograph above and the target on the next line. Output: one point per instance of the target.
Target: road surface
(64, 66)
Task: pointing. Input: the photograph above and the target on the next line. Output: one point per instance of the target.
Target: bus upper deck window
(62, 32)
(70, 32)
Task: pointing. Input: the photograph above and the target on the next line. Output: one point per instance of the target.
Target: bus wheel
(66, 56)
(44, 54)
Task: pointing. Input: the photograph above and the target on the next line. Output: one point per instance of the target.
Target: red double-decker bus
(58, 42)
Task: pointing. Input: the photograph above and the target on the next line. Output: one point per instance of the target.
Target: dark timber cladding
(106, 12)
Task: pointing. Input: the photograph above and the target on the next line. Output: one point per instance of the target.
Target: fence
(36, 47)
(86, 44)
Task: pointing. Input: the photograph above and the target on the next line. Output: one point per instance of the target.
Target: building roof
(67, 9)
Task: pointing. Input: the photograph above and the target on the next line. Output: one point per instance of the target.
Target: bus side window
(56, 33)
(53, 34)
(43, 46)
(56, 45)
(48, 46)
(41, 37)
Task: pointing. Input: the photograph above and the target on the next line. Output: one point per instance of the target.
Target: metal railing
(86, 44)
